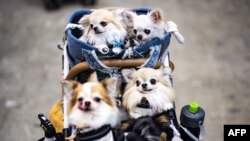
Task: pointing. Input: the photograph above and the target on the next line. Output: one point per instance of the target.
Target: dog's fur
(146, 26)
(149, 87)
(91, 104)
(104, 27)
(155, 128)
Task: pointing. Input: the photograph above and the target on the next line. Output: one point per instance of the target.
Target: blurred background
(212, 67)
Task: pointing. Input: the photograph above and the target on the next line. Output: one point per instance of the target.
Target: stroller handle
(83, 66)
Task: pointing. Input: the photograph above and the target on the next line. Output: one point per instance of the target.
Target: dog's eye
(137, 83)
(152, 81)
(135, 31)
(147, 31)
(80, 99)
(97, 99)
(103, 23)
(91, 25)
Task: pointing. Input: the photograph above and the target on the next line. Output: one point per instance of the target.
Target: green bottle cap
(193, 107)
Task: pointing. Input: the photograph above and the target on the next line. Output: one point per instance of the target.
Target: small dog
(104, 28)
(130, 40)
(92, 105)
(149, 91)
(147, 128)
(146, 26)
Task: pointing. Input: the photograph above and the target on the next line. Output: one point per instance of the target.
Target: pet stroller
(80, 59)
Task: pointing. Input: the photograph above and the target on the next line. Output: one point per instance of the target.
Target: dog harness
(94, 134)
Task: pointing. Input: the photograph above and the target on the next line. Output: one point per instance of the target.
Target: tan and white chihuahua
(104, 28)
(92, 105)
(149, 91)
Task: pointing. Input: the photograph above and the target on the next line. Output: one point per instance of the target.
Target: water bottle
(191, 120)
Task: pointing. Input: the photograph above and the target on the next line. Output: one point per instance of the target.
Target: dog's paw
(168, 106)
(88, 40)
(179, 37)
(116, 50)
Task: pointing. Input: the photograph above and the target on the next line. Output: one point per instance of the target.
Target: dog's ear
(127, 74)
(128, 18)
(162, 119)
(156, 15)
(127, 125)
(93, 77)
(166, 69)
(165, 72)
(111, 84)
(68, 87)
(84, 21)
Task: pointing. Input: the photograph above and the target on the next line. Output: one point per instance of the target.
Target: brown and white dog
(92, 104)
(104, 27)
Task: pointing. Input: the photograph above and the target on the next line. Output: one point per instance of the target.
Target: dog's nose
(139, 37)
(144, 85)
(95, 29)
(87, 103)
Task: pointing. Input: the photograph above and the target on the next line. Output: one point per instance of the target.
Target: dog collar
(94, 134)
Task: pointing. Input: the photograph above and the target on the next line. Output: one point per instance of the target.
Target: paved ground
(212, 68)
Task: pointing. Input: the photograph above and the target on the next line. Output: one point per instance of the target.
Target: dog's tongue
(144, 103)
(87, 109)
